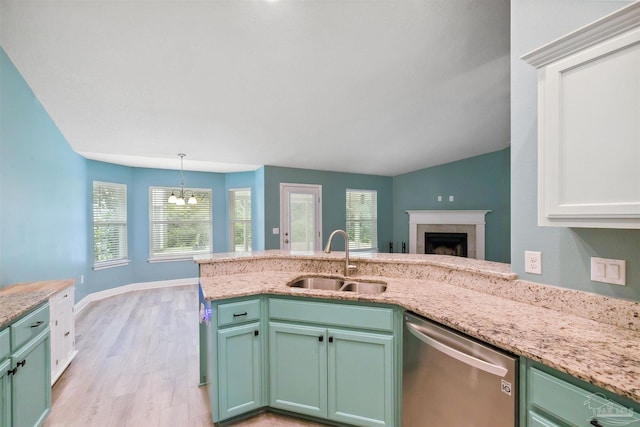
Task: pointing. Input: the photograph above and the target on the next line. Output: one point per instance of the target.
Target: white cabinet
(589, 124)
(63, 335)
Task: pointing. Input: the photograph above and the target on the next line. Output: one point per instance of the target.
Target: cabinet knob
(330, 339)
(594, 422)
(66, 334)
(22, 363)
(12, 371)
(240, 314)
(321, 338)
(38, 323)
(256, 333)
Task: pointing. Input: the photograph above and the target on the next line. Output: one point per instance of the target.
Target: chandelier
(177, 197)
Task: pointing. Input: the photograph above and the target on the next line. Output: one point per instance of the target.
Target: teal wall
(138, 181)
(334, 187)
(480, 182)
(257, 210)
(566, 252)
(42, 190)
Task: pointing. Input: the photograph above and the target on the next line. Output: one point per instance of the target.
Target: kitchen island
(590, 337)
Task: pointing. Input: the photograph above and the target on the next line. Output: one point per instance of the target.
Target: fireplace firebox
(446, 244)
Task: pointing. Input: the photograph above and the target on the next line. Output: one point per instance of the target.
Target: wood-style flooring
(137, 365)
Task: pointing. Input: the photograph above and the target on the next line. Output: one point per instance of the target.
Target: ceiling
(364, 86)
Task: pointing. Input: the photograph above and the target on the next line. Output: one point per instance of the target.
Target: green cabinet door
(239, 370)
(360, 378)
(5, 394)
(298, 368)
(31, 384)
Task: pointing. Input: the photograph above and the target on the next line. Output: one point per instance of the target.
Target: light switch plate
(609, 271)
(276, 230)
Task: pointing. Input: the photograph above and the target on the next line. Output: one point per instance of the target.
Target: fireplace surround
(471, 222)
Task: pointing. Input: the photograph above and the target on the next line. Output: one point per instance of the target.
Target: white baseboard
(96, 296)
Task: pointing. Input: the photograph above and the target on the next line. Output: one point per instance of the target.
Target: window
(178, 232)
(362, 219)
(109, 224)
(240, 219)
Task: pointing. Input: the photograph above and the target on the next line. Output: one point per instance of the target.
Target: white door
(300, 217)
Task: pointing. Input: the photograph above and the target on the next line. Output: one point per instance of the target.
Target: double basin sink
(342, 285)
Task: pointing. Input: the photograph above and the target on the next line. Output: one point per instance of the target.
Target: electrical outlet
(533, 262)
(451, 198)
(439, 198)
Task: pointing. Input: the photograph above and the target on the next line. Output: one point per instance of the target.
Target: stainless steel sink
(334, 284)
(325, 283)
(364, 287)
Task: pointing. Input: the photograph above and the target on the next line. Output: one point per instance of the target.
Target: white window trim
(103, 265)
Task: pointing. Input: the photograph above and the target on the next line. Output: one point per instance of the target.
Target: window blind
(240, 215)
(362, 219)
(179, 231)
(109, 223)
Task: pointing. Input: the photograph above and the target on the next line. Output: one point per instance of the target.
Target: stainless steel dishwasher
(450, 380)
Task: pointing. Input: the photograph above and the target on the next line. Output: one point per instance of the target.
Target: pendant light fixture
(177, 197)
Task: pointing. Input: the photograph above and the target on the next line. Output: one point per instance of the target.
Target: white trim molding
(96, 296)
(607, 27)
(448, 217)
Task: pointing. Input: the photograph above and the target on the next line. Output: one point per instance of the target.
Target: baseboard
(96, 296)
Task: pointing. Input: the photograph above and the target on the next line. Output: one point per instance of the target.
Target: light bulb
(192, 200)
(172, 198)
(180, 201)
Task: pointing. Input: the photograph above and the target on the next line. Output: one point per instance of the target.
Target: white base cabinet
(63, 331)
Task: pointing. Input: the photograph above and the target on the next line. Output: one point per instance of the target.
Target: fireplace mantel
(445, 217)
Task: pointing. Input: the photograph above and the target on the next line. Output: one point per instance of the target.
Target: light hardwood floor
(137, 365)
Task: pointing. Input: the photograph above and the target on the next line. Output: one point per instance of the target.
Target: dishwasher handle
(456, 354)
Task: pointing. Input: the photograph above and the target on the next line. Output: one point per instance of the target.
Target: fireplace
(469, 223)
(446, 244)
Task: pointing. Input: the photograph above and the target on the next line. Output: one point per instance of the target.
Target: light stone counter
(591, 337)
(18, 299)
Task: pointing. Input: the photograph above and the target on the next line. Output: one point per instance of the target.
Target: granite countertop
(18, 299)
(602, 354)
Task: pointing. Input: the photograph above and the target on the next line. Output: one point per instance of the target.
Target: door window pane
(302, 216)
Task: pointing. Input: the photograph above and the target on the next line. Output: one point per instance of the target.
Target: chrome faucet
(347, 267)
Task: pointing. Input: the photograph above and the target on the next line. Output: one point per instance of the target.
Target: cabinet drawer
(29, 326)
(238, 312)
(65, 297)
(536, 420)
(569, 403)
(5, 344)
(332, 314)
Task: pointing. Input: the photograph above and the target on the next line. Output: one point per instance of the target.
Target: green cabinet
(5, 393)
(298, 368)
(25, 370)
(239, 370)
(31, 382)
(327, 360)
(555, 399)
(360, 378)
(235, 361)
(344, 374)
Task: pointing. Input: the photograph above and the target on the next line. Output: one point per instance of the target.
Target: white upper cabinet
(589, 124)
